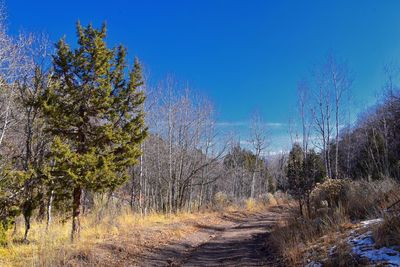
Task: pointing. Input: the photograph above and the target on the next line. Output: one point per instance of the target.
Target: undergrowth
(105, 232)
(336, 205)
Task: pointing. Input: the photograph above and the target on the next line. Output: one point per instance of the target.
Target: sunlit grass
(105, 226)
(52, 247)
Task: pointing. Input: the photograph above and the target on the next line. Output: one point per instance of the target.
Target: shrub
(332, 191)
(358, 199)
(388, 232)
(221, 200)
(336, 203)
(268, 199)
(250, 204)
(342, 256)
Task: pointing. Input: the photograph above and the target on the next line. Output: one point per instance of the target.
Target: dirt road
(242, 241)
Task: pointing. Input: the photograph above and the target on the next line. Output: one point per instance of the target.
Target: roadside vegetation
(353, 177)
(111, 235)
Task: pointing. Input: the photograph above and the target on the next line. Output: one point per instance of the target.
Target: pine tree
(295, 174)
(314, 172)
(94, 111)
(303, 174)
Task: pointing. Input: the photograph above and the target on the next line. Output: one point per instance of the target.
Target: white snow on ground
(363, 245)
(370, 222)
(313, 264)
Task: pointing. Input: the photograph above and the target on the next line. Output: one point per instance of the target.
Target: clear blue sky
(244, 55)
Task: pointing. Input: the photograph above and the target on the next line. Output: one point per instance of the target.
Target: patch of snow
(363, 245)
(371, 222)
(332, 251)
(313, 264)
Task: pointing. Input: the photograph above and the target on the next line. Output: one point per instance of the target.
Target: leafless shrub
(388, 232)
(345, 201)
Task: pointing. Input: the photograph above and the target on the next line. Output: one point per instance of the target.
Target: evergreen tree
(313, 173)
(303, 174)
(295, 174)
(95, 113)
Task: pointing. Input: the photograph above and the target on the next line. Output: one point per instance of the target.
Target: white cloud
(248, 124)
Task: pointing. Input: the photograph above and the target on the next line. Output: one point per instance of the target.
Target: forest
(83, 134)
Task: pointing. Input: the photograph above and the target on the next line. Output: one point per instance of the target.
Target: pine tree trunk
(76, 206)
(27, 219)
(301, 207)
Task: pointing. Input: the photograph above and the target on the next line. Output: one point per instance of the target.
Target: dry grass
(387, 233)
(296, 236)
(342, 256)
(112, 236)
(127, 233)
(368, 199)
(300, 238)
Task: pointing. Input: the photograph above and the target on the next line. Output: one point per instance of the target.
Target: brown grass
(127, 233)
(342, 256)
(387, 233)
(109, 237)
(296, 236)
(300, 238)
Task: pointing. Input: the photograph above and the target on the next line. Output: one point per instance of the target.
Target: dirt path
(241, 241)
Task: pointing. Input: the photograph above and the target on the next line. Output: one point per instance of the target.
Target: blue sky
(244, 55)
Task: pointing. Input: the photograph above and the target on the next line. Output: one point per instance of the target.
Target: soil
(242, 240)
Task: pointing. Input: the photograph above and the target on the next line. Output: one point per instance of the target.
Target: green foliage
(11, 196)
(304, 172)
(94, 112)
(239, 157)
(3, 235)
(295, 171)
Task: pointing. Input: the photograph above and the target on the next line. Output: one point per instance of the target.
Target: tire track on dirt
(239, 242)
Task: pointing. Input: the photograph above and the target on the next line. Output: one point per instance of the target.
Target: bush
(294, 236)
(268, 199)
(332, 191)
(342, 256)
(388, 232)
(250, 204)
(221, 200)
(358, 199)
(336, 203)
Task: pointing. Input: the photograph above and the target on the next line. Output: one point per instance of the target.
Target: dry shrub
(221, 201)
(336, 203)
(331, 190)
(359, 199)
(268, 199)
(388, 232)
(342, 256)
(295, 235)
(251, 204)
(368, 199)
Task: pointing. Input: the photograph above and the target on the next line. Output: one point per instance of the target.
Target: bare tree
(303, 106)
(258, 141)
(340, 82)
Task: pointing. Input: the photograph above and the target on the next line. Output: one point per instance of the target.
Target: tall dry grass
(345, 202)
(387, 233)
(103, 226)
(110, 231)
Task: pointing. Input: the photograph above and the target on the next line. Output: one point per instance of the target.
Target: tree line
(328, 145)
